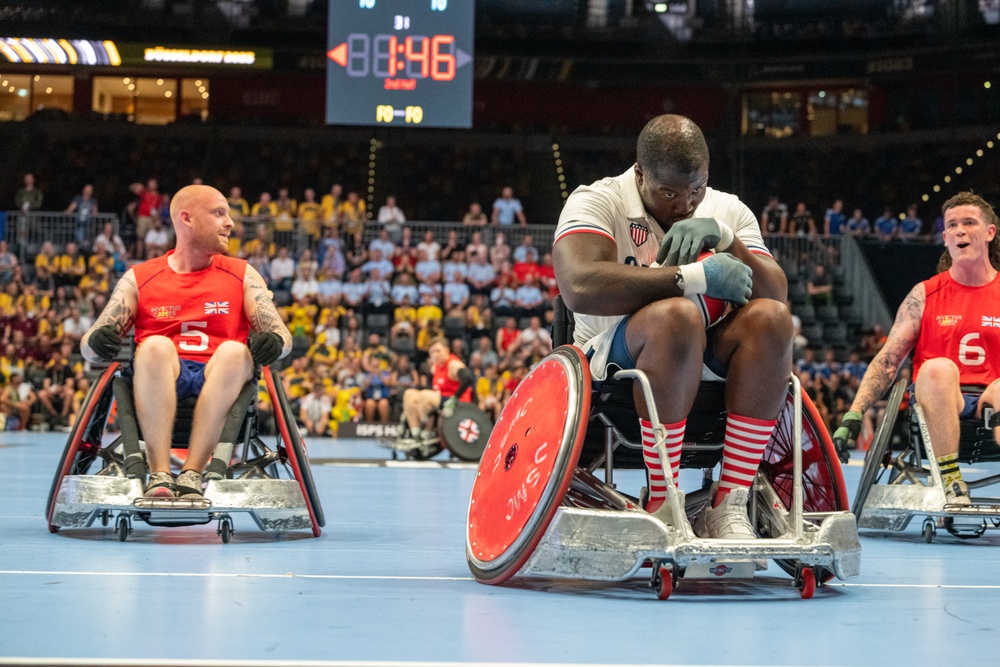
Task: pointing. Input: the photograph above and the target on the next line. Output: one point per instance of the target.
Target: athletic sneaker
(663, 511)
(161, 485)
(957, 493)
(188, 484)
(729, 520)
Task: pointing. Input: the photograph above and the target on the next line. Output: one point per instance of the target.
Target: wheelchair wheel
(295, 451)
(877, 451)
(466, 431)
(522, 478)
(823, 488)
(84, 442)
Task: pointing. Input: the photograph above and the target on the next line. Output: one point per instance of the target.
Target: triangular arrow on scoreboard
(461, 58)
(338, 54)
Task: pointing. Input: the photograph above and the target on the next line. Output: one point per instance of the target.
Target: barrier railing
(26, 231)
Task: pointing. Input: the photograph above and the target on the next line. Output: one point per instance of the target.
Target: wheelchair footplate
(172, 503)
(534, 513)
(412, 448)
(273, 504)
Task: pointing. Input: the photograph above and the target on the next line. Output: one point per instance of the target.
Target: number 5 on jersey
(198, 339)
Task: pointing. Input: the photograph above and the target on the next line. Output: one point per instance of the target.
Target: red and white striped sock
(674, 443)
(746, 439)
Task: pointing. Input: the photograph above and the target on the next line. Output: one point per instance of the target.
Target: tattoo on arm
(117, 312)
(885, 366)
(263, 315)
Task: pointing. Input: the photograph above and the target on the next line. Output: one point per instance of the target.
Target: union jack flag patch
(991, 321)
(216, 307)
(468, 430)
(639, 233)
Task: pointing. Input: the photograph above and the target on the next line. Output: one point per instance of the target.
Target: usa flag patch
(639, 233)
(991, 321)
(216, 307)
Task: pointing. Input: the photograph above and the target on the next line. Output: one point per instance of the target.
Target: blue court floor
(387, 583)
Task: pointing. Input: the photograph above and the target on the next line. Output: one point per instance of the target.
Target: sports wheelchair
(901, 478)
(101, 481)
(464, 434)
(538, 509)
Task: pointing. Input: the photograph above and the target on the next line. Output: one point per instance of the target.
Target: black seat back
(232, 431)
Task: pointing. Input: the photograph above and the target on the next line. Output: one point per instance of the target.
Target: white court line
(380, 577)
(984, 587)
(232, 575)
(176, 662)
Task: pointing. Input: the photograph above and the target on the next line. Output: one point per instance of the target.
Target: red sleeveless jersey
(445, 384)
(197, 311)
(961, 323)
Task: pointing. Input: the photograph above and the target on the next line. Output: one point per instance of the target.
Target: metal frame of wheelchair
(535, 512)
(101, 482)
(464, 435)
(898, 484)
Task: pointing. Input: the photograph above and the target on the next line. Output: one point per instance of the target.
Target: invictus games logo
(948, 320)
(163, 312)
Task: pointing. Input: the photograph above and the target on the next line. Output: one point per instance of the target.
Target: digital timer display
(400, 62)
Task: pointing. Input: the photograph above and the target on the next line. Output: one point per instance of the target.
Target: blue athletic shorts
(968, 409)
(191, 378)
(619, 357)
(189, 381)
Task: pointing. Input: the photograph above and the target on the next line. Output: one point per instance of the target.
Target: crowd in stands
(361, 312)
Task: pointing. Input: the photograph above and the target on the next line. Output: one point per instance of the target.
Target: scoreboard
(400, 63)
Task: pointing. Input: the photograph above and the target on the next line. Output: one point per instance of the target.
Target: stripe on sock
(950, 472)
(651, 457)
(746, 439)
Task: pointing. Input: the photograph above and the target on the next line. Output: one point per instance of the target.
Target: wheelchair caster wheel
(929, 531)
(225, 530)
(806, 583)
(105, 518)
(662, 581)
(122, 527)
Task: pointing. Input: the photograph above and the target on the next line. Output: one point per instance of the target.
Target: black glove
(105, 342)
(265, 348)
(845, 438)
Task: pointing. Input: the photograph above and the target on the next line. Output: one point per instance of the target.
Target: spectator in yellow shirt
(352, 214)
(46, 258)
(310, 214)
(71, 266)
(284, 218)
(331, 205)
(261, 241)
(264, 210)
(238, 206)
(428, 311)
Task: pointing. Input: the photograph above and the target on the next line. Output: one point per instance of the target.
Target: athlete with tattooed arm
(202, 320)
(950, 323)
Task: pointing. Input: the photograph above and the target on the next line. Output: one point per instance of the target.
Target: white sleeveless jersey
(613, 208)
